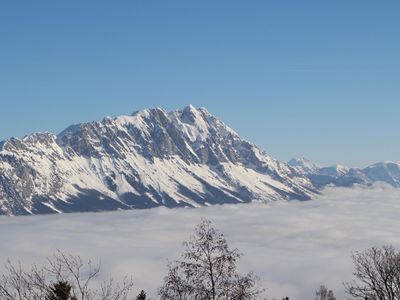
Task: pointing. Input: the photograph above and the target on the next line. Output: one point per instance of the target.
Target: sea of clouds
(292, 246)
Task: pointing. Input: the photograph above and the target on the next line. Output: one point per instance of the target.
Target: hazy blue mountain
(388, 172)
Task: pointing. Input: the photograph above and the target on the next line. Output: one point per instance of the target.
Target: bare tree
(62, 272)
(377, 274)
(324, 294)
(207, 270)
(18, 284)
(70, 268)
(111, 290)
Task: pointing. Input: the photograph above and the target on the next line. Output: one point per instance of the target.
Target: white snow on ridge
(170, 157)
(153, 157)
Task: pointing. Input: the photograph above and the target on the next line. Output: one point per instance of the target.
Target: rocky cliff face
(181, 158)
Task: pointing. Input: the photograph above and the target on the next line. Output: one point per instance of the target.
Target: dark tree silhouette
(60, 291)
(141, 296)
(324, 294)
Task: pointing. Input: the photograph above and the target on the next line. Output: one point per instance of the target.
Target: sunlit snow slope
(151, 158)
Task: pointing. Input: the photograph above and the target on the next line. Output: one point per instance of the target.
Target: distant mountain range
(388, 172)
(182, 158)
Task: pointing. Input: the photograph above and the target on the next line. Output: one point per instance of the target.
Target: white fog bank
(293, 247)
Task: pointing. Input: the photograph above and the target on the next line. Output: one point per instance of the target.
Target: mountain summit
(151, 158)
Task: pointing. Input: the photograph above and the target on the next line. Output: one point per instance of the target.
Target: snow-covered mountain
(151, 158)
(388, 172)
(304, 166)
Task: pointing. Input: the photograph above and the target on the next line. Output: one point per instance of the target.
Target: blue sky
(318, 79)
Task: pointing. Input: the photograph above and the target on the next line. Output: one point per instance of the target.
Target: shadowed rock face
(181, 158)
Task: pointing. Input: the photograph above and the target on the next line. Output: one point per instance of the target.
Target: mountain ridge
(180, 158)
(338, 175)
(184, 157)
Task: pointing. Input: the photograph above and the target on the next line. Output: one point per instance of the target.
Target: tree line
(207, 270)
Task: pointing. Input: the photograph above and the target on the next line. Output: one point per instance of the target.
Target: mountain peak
(38, 136)
(148, 111)
(153, 157)
(189, 107)
(190, 114)
(383, 164)
(300, 161)
(304, 165)
(184, 157)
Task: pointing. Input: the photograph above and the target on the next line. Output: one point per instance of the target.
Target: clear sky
(319, 79)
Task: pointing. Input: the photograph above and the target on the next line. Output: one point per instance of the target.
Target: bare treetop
(377, 274)
(65, 277)
(207, 270)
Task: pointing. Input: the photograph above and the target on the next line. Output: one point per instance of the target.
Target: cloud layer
(293, 247)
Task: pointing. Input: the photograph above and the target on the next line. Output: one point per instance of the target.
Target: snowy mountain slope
(181, 158)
